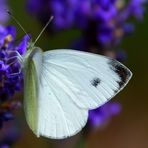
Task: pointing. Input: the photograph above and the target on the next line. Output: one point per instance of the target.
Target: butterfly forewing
(90, 79)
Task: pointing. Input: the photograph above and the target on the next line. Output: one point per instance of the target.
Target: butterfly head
(32, 53)
(30, 49)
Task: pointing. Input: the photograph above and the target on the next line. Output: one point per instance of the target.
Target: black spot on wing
(95, 82)
(121, 71)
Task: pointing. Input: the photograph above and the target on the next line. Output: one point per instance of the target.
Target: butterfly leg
(18, 56)
(15, 60)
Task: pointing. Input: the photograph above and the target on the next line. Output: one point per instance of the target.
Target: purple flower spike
(103, 25)
(90, 16)
(4, 146)
(8, 66)
(9, 85)
(136, 8)
(4, 32)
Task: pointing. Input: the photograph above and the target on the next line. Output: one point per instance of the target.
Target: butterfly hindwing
(30, 96)
(31, 82)
(59, 117)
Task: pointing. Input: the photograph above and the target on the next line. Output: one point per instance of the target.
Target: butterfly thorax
(34, 54)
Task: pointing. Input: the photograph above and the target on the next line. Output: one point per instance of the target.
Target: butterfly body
(61, 86)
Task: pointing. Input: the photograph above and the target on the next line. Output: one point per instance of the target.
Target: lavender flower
(103, 22)
(10, 82)
(101, 116)
(9, 134)
(10, 77)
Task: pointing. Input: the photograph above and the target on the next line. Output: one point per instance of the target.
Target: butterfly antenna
(17, 22)
(51, 18)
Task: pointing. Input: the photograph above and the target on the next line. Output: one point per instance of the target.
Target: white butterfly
(61, 86)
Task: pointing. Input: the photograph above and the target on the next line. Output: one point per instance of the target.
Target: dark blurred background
(127, 130)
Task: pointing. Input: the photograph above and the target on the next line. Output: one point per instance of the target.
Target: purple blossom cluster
(101, 116)
(103, 22)
(10, 77)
